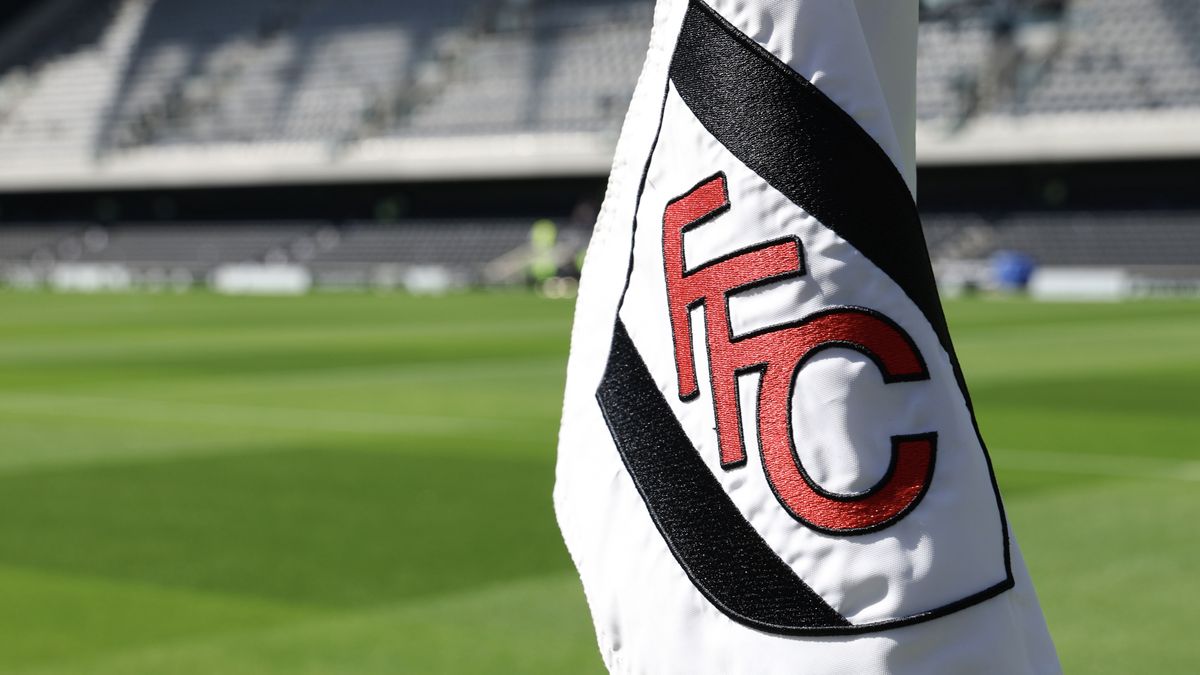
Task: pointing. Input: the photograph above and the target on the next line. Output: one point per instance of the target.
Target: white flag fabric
(768, 460)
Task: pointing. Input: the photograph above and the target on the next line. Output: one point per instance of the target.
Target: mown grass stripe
(1094, 464)
(245, 415)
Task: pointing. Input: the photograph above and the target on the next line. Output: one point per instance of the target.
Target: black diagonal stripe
(720, 551)
(806, 147)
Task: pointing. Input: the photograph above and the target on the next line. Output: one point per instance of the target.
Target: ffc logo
(729, 100)
(778, 353)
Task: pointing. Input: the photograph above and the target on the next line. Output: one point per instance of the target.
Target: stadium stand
(264, 70)
(561, 66)
(1128, 239)
(113, 94)
(1076, 238)
(269, 73)
(1083, 56)
(277, 74)
(341, 254)
(21, 243)
(194, 246)
(455, 244)
(1121, 55)
(52, 102)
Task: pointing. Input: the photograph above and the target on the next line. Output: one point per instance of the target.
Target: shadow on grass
(315, 526)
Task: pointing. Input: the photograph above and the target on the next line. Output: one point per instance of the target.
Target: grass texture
(194, 484)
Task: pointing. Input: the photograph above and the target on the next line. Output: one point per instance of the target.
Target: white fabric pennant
(767, 461)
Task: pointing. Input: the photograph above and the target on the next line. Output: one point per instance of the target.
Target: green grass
(361, 484)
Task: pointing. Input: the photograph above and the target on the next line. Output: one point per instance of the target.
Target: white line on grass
(219, 414)
(1098, 464)
(186, 342)
(505, 368)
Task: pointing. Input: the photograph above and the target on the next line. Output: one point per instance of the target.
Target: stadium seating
(466, 247)
(32, 243)
(565, 68)
(454, 244)
(336, 71)
(194, 246)
(1096, 56)
(1120, 239)
(1122, 55)
(349, 253)
(265, 70)
(951, 57)
(157, 84)
(52, 105)
(176, 72)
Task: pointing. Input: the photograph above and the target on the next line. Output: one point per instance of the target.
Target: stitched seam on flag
(637, 204)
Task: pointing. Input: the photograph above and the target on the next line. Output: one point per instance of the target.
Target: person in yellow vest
(543, 236)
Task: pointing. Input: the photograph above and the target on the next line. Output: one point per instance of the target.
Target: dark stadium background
(303, 112)
(198, 482)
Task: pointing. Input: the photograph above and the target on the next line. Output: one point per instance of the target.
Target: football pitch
(195, 484)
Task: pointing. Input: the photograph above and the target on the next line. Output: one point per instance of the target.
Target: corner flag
(768, 459)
